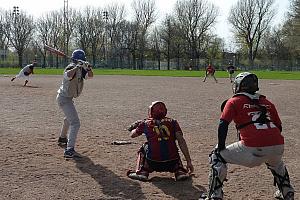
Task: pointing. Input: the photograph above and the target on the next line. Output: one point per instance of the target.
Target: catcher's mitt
(134, 125)
(26, 73)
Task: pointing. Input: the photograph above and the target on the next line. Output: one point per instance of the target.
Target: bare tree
(195, 18)
(291, 29)
(250, 19)
(129, 41)
(115, 22)
(156, 45)
(144, 16)
(89, 30)
(45, 28)
(3, 38)
(167, 34)
(18, 28)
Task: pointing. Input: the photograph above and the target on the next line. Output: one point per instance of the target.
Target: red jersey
(210, 69)
(242, 110)
(161, 138)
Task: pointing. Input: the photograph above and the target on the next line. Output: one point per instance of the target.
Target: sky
(222, 28)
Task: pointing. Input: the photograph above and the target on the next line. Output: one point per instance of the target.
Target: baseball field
(33, 167)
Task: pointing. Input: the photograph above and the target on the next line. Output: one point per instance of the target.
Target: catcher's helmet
(78, 54)
(157, 110)
(245, 82)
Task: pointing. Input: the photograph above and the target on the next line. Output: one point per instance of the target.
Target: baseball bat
(55, 51)
(60, 53)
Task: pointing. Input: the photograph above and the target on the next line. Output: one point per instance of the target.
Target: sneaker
(69, 153)
(135, 176)
(288, 196)
(181, 176)
(62, 141)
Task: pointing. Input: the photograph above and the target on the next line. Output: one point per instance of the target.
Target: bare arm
(134, 133)
(71, 72)
(90, 72)
(183, 147)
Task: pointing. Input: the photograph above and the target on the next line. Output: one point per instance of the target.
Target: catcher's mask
(157, 110)
(78, 54)
(245, 82)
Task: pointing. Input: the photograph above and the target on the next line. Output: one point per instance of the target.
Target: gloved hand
(84, 64)
(134, 125)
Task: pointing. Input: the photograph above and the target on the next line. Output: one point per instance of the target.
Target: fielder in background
(71, 87)
(160, 152)
(230, 70)
(210, 71)
(260, 138)
(25, 72)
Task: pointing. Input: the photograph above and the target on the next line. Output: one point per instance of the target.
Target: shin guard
(217, 175)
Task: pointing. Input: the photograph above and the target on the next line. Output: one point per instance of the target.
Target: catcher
(25, 72)
(210, 71)
(74, 75)
(160, 152)
(260, 138)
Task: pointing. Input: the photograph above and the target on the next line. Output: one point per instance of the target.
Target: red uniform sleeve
(140, 129)
(229, 112)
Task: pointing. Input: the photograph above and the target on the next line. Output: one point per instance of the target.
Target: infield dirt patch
(33, 167)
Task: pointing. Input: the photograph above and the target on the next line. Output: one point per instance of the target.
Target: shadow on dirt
(111, 184)
(181, 190)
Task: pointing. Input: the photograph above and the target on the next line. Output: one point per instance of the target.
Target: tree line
(184, 38)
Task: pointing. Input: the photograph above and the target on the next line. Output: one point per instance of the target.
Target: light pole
(16, 12)
(105, 17)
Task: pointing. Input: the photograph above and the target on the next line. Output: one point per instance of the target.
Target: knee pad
(142, 165)
(217, 174)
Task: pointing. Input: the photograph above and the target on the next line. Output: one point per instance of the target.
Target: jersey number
(163, 133)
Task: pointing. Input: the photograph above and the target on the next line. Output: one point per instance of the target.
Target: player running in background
(260, 138)
(25, 72)
(71, 87)
(160, 152)
(210, 71)
(230, 70)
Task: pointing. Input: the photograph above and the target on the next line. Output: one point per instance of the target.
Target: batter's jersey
(72, 87)
(161, 139)
(241, 109)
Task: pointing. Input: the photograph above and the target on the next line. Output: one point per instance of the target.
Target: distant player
(25, 72)
(160, 152)
(230, 70)
(210, 71)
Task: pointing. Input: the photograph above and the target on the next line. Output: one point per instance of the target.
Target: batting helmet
(157, 110)
(245, 82)
(78, 54)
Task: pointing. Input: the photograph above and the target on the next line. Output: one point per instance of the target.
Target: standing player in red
(210, 71)
(160, 152)
(260, 139)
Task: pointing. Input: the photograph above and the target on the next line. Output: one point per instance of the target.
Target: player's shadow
(31, 86)
(27, 86)
(111, 184)
(181, 190)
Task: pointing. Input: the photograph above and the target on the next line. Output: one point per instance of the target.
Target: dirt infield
(33, 167)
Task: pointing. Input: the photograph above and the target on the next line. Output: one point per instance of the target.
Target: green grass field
(282, 75)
